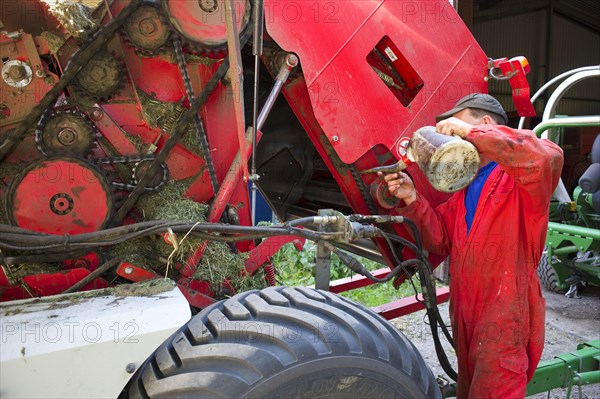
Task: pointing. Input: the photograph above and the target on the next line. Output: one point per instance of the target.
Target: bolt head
(130, 368)
(147, 27)
(335, 139)
(128, 270)
(67, 136)
(40, 73)
(96, 114)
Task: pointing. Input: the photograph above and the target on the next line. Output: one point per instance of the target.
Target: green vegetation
(297, 268)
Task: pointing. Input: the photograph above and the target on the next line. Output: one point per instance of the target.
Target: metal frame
(568, 370)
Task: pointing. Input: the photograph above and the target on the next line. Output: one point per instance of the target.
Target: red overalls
(496, 305)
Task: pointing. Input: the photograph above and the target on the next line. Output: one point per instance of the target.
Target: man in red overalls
(494, 231)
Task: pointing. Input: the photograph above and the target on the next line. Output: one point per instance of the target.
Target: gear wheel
(66, 132)
(201, 24)
(147, 31)
(101, 77)
(60, 195)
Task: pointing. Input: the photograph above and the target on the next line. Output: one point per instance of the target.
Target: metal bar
(78, 61)
(409, 305)
(591, 377)
(235, 172)
(323, 261)
(182, 124)
(236, 76)
(574, 230)
(571, 249)
(567, 369)
(554, 81)
(323, 268)
(257, 50)
(289, 63)
(350, 283)
(232, 179)
(562, 88)
(591, 120)
(560, 192)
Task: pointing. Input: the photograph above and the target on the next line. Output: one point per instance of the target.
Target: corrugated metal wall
(510, 28)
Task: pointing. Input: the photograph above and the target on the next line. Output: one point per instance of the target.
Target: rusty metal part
(146, 30)
(78, 61)
(59, 195)
(66, 133)
(201, 24)
(17, 73)
(102, 76)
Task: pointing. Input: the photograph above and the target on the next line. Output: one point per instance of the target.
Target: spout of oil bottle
(449, 163)
(397, 167)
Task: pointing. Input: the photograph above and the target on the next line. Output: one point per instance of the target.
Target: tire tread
(282, 328)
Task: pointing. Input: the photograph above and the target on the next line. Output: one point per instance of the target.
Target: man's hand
(401, 186)
(454, 127)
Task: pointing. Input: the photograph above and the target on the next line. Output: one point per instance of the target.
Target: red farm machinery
(139, 138)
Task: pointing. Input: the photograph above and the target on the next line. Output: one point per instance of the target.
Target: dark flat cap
(479, 101)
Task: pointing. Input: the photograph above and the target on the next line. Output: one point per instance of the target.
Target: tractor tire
(285, 342)
(548, 275)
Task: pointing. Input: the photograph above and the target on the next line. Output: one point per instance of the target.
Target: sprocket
(66, 132)
(201, 24)
(101, 77)
(60, 195)
(147, 30)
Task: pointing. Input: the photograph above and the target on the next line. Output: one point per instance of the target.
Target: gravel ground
(568, 323)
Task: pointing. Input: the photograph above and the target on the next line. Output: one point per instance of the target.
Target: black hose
(103, 268)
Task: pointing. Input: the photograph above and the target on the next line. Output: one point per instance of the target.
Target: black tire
(285, 342)
(548, 275)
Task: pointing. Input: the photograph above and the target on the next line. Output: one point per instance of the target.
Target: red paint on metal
(134, 273)
(232, 181)
(262, 253)
(196, 292)
(54, 197)
(408, 305)
(113, 133)
(56, 283)
(357, 281)
(519, 66)
(206, 25)
(354, 107)
(188, 268)
(89, 261)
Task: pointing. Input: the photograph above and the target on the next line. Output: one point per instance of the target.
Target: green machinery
(569, 370)
(572, 256)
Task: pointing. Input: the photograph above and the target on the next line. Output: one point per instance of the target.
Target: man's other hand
(454, 127)
(401, 186)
